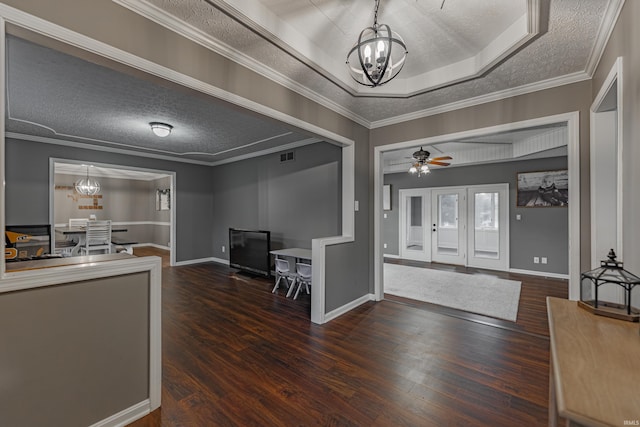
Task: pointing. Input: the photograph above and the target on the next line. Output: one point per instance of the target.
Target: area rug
(475, 293)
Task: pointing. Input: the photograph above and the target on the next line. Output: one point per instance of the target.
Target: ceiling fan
(421, 160)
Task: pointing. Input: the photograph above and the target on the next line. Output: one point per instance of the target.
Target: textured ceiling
(60, 96)
(564, 49)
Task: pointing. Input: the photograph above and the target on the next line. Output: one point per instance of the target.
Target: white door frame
(404, 252)
(572, 119)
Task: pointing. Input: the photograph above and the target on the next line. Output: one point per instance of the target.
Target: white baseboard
(126, 416)
(153, 245)
(202, 260)
(391, 256)
(348, 307)
(539, 273)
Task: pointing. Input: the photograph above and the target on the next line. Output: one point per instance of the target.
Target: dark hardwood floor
(236, 355)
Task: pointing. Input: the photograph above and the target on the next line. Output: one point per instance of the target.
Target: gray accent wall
(541, 232)
(295, 200)
(27, 190)
(74, 354)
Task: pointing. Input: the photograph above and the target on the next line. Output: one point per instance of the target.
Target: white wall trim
(195, 261)
(348, 307)
(391, 256)
(484, 99)
(539, 273)
(126, 416)
(153, 245)
(615, 76)
(573, 144)
(604, 33)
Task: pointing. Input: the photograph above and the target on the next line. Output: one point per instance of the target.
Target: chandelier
(87, 186)
(378, 56)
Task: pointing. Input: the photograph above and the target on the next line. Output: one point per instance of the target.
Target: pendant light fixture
(378, 56)
(87, 186)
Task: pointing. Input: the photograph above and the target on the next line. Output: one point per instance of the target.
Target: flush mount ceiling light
(87, 186)
(378, 56)
(160, 129)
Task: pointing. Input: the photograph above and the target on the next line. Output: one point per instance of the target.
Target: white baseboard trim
(126, 416)
(539, 273)
(153, 245)
(347, 307)
(202, 260)
(194, 261)
(391, 256)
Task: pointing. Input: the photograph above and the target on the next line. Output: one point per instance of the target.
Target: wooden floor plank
(234, 354)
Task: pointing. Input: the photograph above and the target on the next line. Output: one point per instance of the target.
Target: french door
(415, 241)
(488, 226)
(456, 225)
(448, 225)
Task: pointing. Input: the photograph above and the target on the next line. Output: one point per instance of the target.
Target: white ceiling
(517, 46)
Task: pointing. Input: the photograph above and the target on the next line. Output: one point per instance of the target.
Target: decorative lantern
(609, 273)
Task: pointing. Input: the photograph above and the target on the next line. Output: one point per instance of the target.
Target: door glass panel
(414, 232)
(486, 227)
(447, 224)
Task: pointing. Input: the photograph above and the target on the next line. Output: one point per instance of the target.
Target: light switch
(518, 217)
(356, 206)
(385, 216)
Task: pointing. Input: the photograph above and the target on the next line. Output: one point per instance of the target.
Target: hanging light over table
(378, 56)
(87, 186)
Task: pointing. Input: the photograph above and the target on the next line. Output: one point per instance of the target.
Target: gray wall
(540, 232)
(27, 190)
(296, 201)
(120, 200)
(66, 360)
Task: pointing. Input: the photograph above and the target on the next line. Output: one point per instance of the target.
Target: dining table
(78, 234)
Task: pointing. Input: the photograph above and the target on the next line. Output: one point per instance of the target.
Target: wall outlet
(223, 249)
(518, 217)
(543, 259)
(384, 216)
(536, 260)
(385, 246)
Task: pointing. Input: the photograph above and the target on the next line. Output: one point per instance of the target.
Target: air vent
(287, 157)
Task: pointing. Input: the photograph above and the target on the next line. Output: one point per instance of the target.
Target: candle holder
(609, 273)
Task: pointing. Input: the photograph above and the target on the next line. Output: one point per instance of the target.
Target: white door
(488, 226)
(414, 224)
(448, 225)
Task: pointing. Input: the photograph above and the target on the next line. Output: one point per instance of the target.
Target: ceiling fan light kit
(420, 165)
(378, 56)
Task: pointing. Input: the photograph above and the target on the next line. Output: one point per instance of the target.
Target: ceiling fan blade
(433, 162)
(443, 158)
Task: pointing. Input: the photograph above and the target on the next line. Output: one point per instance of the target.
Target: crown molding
(483, 99)
(614, 7)
(168, 21)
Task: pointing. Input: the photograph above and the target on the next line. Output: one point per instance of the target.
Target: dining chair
(77, 222)
(98, 237)
(303, 277)
(283, 271)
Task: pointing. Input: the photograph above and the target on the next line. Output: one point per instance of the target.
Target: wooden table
(595, 367)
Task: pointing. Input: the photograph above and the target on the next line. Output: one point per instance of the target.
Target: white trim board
(573, 155)
(539, 273)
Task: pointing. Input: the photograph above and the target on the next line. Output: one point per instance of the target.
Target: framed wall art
(543, 189)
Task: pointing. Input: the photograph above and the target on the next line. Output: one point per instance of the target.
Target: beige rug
(475, 293)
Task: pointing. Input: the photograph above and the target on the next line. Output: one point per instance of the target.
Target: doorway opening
(135, 199)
